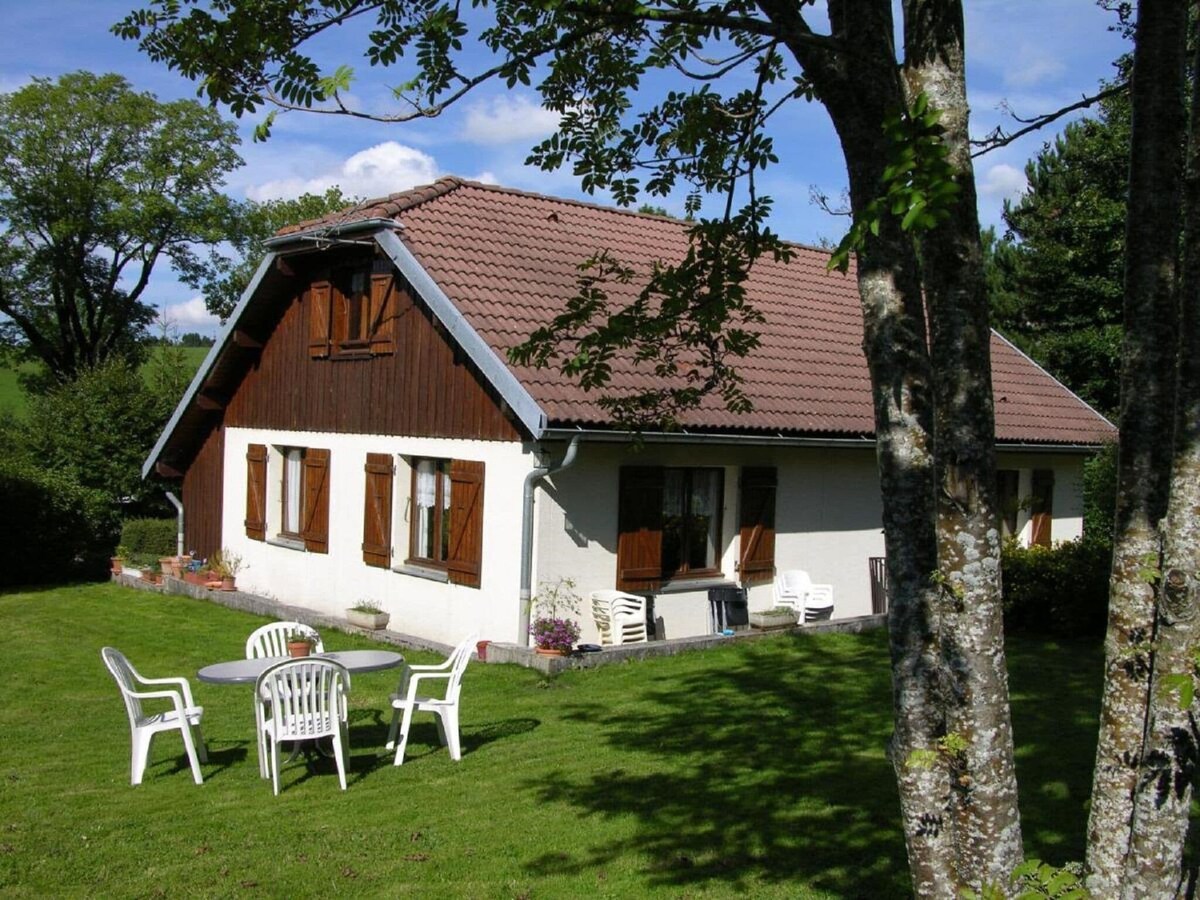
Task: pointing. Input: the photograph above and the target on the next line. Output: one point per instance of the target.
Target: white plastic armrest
(822, 592)
(173, 696)
(418, 677)
(431, 667)
(181, 682)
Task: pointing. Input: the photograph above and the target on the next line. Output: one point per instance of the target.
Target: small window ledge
(422, 572)
(289, 543)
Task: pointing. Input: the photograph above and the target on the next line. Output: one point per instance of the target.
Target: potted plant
(118, 559)
(299, 643)
(776, 617)
(225, 565)
(367, 614)
(170, 566)
(553, 630)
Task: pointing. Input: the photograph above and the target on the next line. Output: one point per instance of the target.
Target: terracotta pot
(169, 565)
(481, 650)
(117, 563)
(551, 651)
(228, 583)
(299, 648)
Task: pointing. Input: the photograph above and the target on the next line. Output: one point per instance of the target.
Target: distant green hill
(13, 398)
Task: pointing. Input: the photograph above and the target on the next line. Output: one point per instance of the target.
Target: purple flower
(554, 634)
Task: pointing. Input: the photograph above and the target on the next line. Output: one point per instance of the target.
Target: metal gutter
(326, 232)
(490, 364)
(531, 479)
(209, 360)
(772, 440)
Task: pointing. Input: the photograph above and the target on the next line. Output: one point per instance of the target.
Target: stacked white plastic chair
(812, 602)
(306, 702)
(620, 618)
(412, 696)
(184, 716)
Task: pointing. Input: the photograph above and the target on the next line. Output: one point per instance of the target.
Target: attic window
(352, 313)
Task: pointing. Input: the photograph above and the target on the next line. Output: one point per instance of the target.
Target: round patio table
(246, 671)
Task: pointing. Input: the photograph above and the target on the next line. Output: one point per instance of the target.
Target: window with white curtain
(291, 494)
(430, 522)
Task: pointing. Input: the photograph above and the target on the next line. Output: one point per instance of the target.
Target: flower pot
(481, 650)
(772, 619)
(228, 583)
(169, 565)
(299, 648)
(117, 564)
(372, 620)
(552, 651)
(151, 577)
(198, 578)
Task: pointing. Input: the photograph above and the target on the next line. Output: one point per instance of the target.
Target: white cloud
(190, 315)
(1003, 182)
(1031, 67)
(507, 118)
(374, 172)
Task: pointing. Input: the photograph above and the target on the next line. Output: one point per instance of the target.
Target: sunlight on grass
(753, 768)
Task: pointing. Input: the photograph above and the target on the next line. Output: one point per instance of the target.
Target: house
(358, 433)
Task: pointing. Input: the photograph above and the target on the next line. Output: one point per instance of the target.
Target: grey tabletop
(246, 671)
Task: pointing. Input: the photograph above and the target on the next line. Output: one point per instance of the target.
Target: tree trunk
(988, 833)
(1147, 388)
(1169, 760)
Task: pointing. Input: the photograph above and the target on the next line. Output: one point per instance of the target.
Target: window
(1041, 507)
(431, 514)
(299, 510)
(352, 313)
(1008, 484)
(442, 501)
(669, 524)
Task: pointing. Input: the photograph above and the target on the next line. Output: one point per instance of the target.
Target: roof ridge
(387, 207)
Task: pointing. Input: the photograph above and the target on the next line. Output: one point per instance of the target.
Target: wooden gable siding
(202, 492)
(425, 388)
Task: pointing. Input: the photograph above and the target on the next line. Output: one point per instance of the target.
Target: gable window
(352, 312)
(297, 480)
(442, 502)
(669, 525)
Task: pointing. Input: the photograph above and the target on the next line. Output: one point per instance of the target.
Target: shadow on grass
(774, 768)
(423, 737)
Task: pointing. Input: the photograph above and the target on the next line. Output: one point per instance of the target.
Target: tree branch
(997, 138)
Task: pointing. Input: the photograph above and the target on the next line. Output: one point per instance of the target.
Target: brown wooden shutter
(1042, 507)
(256, 492)
(383, 313)
(639, 528)
(315, 526)
(756, 525)
(464, 561)
(319, 297)
(377, 511)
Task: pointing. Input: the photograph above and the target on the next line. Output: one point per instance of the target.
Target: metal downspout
(179, 533)
(531, 479)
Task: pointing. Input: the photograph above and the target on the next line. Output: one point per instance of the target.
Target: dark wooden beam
(282, 267)
(245, 341)
(167, 471)
(208, 400)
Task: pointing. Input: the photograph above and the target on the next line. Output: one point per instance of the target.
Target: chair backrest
(793, 583)
(271, 640)
(307, 696)
(126, 678)
(460, 656)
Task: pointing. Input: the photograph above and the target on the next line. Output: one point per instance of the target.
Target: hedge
(147, 540)
(1060, 590)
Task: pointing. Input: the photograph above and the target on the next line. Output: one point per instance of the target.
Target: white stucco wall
(1067, 499)
(330, 582)
(827, 521)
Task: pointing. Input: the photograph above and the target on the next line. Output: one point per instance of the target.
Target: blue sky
(1033, 55)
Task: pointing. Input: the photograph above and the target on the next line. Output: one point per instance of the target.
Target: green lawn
(12, 398)
(757, 768)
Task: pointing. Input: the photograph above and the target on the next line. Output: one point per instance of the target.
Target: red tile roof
(509, 261)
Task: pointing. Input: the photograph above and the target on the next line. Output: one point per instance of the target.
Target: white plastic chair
(183, 717)
(306, 702)
(811, 601)
(409, 698)
(271, 639)
(620, 618)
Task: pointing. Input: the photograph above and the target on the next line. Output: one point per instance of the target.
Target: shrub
(61, 530)
(1060, 590)
(148, 539)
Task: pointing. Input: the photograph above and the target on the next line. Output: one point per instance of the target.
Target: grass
(12, 398)
(757, 768)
